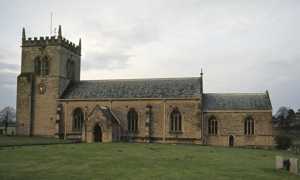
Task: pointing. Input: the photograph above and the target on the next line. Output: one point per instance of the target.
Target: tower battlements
(51, 41)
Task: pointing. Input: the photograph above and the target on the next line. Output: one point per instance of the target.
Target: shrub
(283, 142)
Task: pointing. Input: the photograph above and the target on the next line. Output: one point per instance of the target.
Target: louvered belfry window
(41, 66)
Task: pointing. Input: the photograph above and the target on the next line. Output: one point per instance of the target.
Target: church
(53, 101)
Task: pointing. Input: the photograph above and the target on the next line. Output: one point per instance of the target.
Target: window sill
(133, 133)
(249, 135)
(76, 131)
(176, 132)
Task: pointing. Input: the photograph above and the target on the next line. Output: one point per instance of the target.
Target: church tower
(49, 65)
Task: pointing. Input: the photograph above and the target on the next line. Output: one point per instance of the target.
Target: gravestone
(294, 165)
(279, 162)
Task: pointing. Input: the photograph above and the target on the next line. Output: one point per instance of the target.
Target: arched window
(77, 119)
(175, 118)
(70, 69)
(249, 126)
(212, 126)
(132, 118)
(37, 66)
(45, 66)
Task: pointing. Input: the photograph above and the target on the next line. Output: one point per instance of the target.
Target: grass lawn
(25, 140)
(138, 161)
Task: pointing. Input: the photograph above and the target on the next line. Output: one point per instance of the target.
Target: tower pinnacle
(59, 31)
(23, 34)
(201, 81)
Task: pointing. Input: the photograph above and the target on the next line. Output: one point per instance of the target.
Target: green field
(26, 140)
(138, 161)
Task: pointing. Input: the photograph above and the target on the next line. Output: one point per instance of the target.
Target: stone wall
(38, 115)
(24, 104)
(161, 109)
(58, 57)
(232, 123)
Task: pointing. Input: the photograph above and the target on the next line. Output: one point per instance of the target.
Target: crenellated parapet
(51, 41)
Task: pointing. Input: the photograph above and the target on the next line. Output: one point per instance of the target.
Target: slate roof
(134, 88)
(236, 101)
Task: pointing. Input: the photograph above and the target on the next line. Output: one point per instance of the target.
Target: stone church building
(53, 101)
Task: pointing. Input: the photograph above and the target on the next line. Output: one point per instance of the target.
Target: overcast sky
(242, 46)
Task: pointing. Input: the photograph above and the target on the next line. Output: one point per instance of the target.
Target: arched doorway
(231, 141)
(97, 133)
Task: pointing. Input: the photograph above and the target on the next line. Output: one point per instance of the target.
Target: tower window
(73, 70)
(175, 118)
(77, 119)
(249, 126)
(37, 66)
(45, 66)
(70, 69)
(41, 66)
(132, 118)
(212, 126)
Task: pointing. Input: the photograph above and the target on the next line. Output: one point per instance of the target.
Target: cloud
(106, 61)
(8, 77)
(115, 49)
(8, 82)
(9, 67)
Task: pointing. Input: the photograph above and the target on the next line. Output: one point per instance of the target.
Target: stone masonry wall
(44, 104)
(191, 127)
(24, 91)
(232, 123)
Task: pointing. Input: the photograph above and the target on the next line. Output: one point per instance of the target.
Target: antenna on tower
(51, 18)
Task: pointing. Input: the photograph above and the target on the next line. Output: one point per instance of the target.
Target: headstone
(294, 165)
(279, 162)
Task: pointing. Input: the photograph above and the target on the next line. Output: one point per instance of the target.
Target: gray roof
(237, 101)
(135, 88)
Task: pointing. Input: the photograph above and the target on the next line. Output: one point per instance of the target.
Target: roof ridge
(246, 93)
(140, 79)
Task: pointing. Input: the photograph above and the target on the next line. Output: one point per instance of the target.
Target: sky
(242, 45)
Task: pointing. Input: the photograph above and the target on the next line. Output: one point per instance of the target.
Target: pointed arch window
(37, 65)
(45, 66)
(212, 126)
(249, 126)
(132, 117)
(41, 66)
(70, 69)
(78, 119)
(175, 118)
(73, 70)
